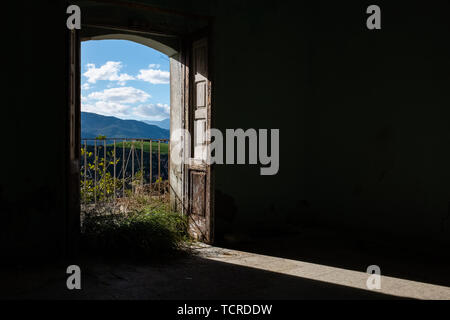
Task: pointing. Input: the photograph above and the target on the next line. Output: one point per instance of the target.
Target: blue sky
(124, 79)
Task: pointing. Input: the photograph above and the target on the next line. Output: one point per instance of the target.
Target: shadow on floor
(186, 278)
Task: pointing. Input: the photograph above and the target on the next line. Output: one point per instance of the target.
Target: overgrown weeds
(139, 226)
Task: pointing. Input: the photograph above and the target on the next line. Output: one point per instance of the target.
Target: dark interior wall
(363, 116)
(260, 81)
(34, 127)
(33, 130)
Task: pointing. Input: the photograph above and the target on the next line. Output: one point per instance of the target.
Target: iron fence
(112, 168)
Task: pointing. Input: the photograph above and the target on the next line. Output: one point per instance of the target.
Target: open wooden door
(198, 172)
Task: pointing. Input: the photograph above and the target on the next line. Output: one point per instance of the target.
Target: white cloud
(124, 103)
(120, 95)
(154, 75)
(85, 86)
(107, 109)
(152, 112)
(109, 72)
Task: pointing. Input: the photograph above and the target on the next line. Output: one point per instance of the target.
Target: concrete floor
(390, 286)
(210, 273)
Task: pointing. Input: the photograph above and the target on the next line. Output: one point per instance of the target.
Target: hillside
(165, 124)
(93, 125)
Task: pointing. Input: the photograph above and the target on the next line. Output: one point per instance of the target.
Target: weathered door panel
(201, 103)
(198, 196)
(197, 169)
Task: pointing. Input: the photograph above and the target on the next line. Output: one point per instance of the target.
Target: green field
(138, 146)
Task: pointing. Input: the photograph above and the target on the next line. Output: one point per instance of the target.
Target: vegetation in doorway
(125, 200)
(104, 187)
(139, 226)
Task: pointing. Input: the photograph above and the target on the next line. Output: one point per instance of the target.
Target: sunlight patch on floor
(349, 278)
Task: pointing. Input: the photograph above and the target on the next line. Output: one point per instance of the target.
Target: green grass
(149, 230)
(138, 146)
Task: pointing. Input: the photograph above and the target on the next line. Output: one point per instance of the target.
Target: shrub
(104, 187)
(149, 230)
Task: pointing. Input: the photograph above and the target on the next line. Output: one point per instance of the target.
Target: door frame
(73, 227)
(73, 142)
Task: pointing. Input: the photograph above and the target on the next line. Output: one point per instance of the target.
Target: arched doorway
(190, 182)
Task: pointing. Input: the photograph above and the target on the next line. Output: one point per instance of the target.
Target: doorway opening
(125, 123)
(111, 167)
(125, 148)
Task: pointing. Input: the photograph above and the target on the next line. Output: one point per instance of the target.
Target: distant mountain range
(165, 124)
(94, 125)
